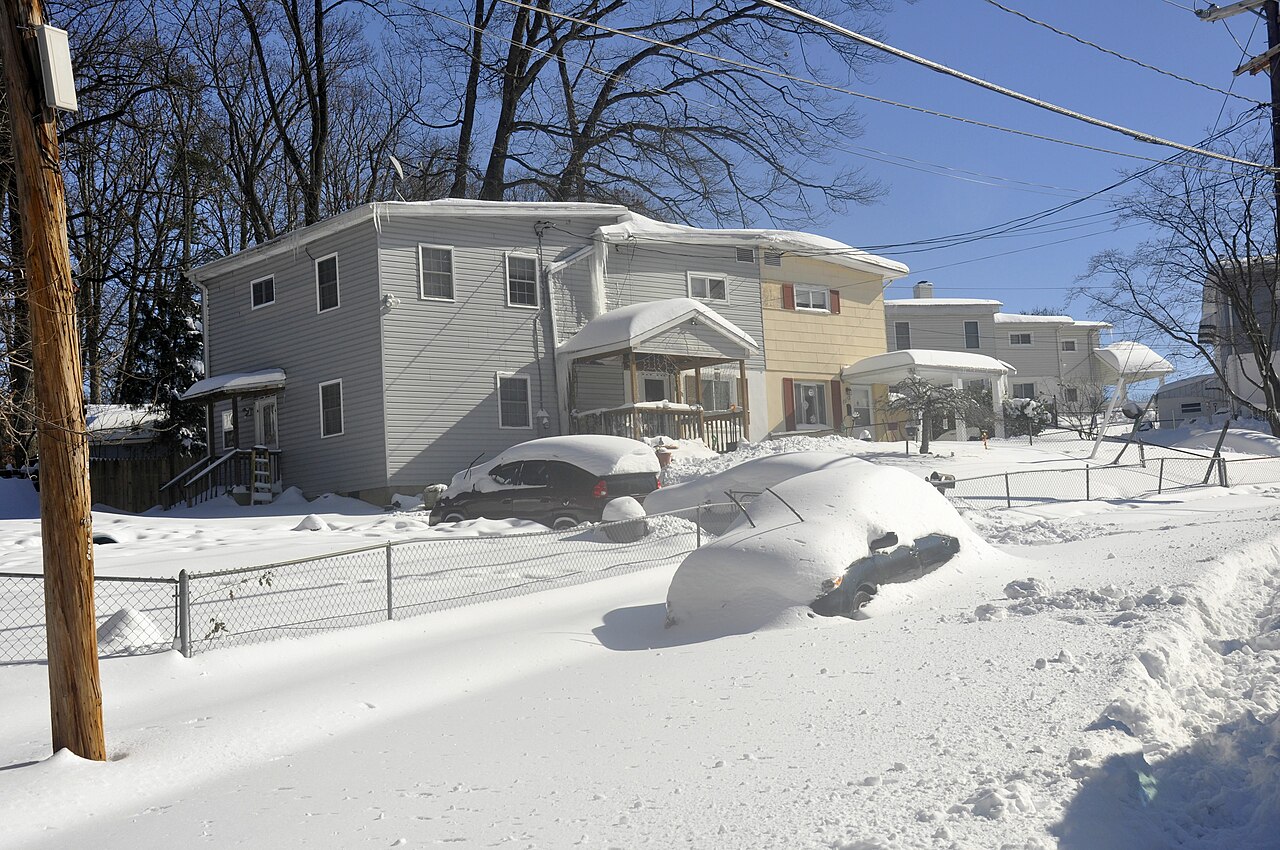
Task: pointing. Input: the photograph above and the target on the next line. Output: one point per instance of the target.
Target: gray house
(388, 347)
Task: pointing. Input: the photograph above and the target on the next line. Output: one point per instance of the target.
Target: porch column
(742, 399)
(997, 403)
(235, 419)
(962, 427)
(697, 399)
(635, 395)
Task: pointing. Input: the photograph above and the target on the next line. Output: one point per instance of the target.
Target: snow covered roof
(1135, 361)
(598, 454)
(942, 302)
(114, 423)
(1206, 379)
(1026, 319)
(233, 382)
(897, 365)
(634, 227)
(630, 326)
(1088, 324)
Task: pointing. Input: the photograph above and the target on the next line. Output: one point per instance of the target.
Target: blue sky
(976, 37)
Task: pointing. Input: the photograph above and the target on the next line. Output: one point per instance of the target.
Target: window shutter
(837, 403)
(789, 403)
(833, 298)
(788, 297)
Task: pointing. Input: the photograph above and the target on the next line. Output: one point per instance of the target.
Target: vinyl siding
(440, 358)
(601, 386)
(312, 348)
(944, 331)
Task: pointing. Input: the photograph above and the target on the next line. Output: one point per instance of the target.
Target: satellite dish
(1132, 410)
(395, 163)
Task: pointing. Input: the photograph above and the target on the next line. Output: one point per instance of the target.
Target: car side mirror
(884, 542)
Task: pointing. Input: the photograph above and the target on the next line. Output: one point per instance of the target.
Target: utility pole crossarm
(1218, 13)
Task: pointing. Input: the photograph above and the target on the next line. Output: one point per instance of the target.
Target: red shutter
(834, 299)
(788, 297)
(789, 403)
(837, 403)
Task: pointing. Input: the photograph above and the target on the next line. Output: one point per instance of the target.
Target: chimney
(923, 289)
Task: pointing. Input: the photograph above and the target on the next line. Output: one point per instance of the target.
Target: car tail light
(657, 483)
(600, 490)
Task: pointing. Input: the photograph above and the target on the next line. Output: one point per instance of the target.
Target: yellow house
(823, 311)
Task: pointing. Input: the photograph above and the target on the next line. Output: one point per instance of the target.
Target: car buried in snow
(557, 481)
(826, 539)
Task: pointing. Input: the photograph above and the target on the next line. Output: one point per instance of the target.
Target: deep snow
(1105, 678)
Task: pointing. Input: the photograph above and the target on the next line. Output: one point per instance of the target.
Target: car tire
(453, 516)
(859, 600)
(564, 523)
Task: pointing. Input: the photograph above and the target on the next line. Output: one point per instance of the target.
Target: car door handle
(507, 501)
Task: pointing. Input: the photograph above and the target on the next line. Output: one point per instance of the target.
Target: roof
(1133, 360)
(634, 227)
(1187, 383)
(1028, 319)
(380, 211)
(897, 365)
(629, 327)
(235, 382)
(117, 423)
(942, 302)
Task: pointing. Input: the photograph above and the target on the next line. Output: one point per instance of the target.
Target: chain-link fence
(201, 611)
(133, 616)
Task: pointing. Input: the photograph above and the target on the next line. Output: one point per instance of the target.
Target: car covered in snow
(557, 481)
(826, 539)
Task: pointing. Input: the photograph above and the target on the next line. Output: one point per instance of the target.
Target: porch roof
(235, 383)
(1133, 360)
(897, 366)
(628, 328)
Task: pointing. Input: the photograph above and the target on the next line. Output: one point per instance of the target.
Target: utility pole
(66, 531)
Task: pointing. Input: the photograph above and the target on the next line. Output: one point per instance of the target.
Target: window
(902, 335)
(772, 258)
(228, 430)
(1070, 395)
(1187, 408)
(331, 409)
(1020, 339)
(1024, 390)
(435, 272)
(811, 299)
(971, 335)
(708, 287)
(327, 283)
(717, 394)
(812, 410)
(513, 402)
(506, 473)
(534, 473)
(263, 292)
(655, 389)
(746, 255)
(522, 280)
(1068, 345)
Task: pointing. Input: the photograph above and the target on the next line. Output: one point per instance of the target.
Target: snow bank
(18, 499)
(751, 476)
(130, 632)
(754, 575)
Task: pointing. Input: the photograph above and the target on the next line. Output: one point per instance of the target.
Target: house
(1196, 397)
(823, 311)
(1053, 356)
(1241, 285)
(388, 347)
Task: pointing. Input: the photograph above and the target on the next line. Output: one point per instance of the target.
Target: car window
(505, 473)
(533, 473)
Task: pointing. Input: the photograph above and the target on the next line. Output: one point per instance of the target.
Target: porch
(667, 368)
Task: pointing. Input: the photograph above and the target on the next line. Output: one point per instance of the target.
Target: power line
(1116, 54)
(1007, 92)
(782, 75)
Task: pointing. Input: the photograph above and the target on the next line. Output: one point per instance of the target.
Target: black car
(556, 493)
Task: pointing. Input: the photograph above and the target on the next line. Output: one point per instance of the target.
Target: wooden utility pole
(66, 531)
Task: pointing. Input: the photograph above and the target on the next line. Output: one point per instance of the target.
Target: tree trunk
(462, 164)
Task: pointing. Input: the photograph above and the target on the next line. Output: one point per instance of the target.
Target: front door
(264, 423)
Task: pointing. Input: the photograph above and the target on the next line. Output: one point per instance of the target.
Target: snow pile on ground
(311, 522)
(1251, 437)
(751, 475)
(684, 468)
(776, 558)
(129, 632)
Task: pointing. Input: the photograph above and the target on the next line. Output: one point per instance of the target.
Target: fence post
(1222, 472)
(697, 523)
(184, 614)
(1088, 490)
(1008, 500)
(390, 606)
(1160, 482)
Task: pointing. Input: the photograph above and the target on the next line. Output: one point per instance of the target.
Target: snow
(942, 302)
(1025, 319)
(109, 423)
(1097, 676)
(1134, 360)
(598, 454)
(907, 359)
(750, 476)
(805, 531)
(18, 499)
(630, 326)
(623, 507)
(634, 227)
(231, 382)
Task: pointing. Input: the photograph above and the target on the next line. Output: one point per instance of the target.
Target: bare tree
(1207, 279)
(929, 402)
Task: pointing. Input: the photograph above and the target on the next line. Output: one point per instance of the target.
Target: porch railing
(720, 431)
(215, 476)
